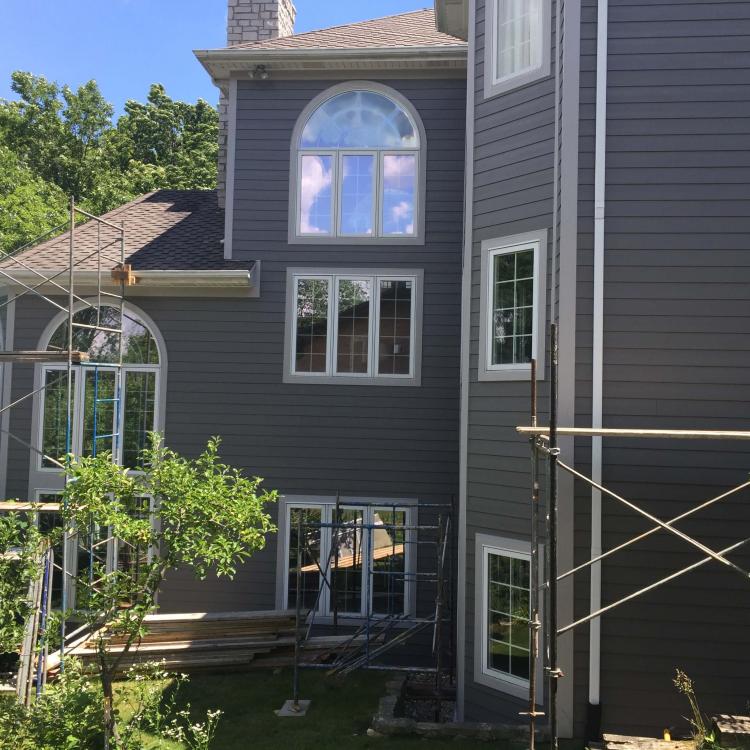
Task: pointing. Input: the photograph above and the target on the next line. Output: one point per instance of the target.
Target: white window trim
(52, 477)
(327, 504)
(483, 674)
(414, 378)
(493, 85)
(491, 249)
(335, 238)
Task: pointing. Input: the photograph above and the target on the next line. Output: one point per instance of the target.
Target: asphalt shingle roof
(176, 230)
(414, 29)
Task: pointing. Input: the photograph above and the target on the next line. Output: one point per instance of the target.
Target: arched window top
(139, 346)
(358, 168)
(360, 119)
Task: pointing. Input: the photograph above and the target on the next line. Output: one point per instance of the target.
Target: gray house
(356, 309)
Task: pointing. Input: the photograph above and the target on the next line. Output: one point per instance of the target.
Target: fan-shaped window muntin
(120, 427)
(358, 168)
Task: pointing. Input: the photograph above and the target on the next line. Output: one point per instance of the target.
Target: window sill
(497, 682)
(347, 242)
(344, 380)
(518, 374)
(506, 85)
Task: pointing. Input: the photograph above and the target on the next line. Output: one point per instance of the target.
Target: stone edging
(388, 723)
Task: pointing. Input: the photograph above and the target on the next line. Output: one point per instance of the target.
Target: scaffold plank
(28, 507)
(637, 433)
(33, 356)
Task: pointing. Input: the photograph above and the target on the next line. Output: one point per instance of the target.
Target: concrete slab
(289, 709)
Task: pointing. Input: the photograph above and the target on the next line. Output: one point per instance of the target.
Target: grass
(338, 718)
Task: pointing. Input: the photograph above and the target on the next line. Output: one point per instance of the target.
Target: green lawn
(338, 718)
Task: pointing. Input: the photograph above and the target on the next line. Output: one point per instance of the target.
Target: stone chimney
(249, 21)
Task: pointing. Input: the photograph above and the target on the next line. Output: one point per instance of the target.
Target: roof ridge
(337, 26)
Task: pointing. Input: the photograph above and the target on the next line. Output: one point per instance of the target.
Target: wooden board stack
(219, 640)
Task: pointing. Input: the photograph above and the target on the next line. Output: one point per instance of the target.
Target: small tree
(204, 515)
(19, 565)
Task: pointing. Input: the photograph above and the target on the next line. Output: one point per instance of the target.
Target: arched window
(101, 420)
(358, 155)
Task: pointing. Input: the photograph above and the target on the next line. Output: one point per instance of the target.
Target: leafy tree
(29, 205)
(19, 565)
(206, 516)
(65, 143)
(178, 140)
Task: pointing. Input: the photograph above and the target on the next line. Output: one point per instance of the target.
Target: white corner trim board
(597, 372)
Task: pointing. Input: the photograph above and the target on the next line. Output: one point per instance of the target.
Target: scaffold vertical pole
(66, 561)
(554, 672)
(297, 614)
(534, 622)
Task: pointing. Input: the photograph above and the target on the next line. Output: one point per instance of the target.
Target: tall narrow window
(502, 629)
(311, 353)
(388, 561)
(357, 160)
(513, 306)
(353, 318)
(55, 439)
(357, 194)
(394, 342)
(316, 194)
(308, 546)
(518, 44)
(347, 560)
(361, 327)
(508, 614)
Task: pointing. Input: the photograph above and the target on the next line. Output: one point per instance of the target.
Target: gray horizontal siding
(323, 439)
(226, 355)
(676, 326)
(513, 186)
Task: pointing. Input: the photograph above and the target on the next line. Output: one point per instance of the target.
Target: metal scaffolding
(544, 444)
(58, 289)
(372, 635)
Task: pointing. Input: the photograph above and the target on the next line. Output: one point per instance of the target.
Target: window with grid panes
(512, 308)
(353, 326)
(507, 624)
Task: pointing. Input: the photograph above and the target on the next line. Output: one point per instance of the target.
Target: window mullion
(331, 328)
(337, 192)
(374, 326)
(377, 189)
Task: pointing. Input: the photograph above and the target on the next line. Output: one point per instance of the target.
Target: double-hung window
(355, 564)
(512, 302)
(353, 326)
(502, 649)
(518, 43)
(357, 169)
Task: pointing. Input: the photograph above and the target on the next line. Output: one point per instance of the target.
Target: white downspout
(598, 349)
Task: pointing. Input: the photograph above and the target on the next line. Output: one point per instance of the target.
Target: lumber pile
(221, 640)
(626, 742)
(732, 731)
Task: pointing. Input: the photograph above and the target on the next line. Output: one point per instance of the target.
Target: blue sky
(126, 45)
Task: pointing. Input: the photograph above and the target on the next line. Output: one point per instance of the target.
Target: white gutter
(597, 374)
(222, 63)
(465, 372)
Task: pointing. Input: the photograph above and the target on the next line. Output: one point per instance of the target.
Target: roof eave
(226, 63)
(452, 17)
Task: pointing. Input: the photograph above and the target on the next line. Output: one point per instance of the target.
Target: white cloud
(315, 179)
